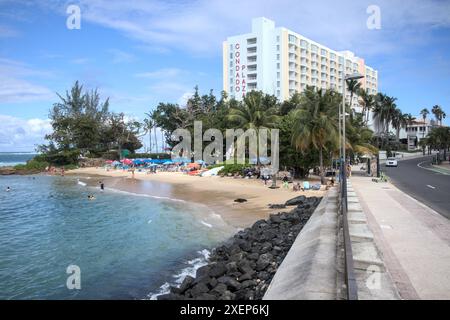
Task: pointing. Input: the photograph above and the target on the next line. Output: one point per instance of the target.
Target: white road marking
(431, 186)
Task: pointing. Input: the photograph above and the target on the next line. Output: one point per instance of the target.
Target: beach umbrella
(126, 161)
(149, 160)
(109, 161)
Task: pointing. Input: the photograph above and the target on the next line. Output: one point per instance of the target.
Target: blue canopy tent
(138, 161)
(168, 162)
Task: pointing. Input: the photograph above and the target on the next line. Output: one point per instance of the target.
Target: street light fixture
(355, 76)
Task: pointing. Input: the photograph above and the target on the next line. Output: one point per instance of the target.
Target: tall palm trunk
(156, 140)
(322, 177)
(150, 140)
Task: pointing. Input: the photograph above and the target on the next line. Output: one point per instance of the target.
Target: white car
(391, 162)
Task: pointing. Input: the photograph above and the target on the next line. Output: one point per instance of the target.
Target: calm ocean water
(127, 246)
(14, 158)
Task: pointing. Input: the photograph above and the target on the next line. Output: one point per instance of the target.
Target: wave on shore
(190, 270)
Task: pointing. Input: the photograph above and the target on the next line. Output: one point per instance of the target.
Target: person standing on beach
(132, 173)
(102, 185)
(285, 182)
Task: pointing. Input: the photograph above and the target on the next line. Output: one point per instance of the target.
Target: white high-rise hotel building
(281, 62)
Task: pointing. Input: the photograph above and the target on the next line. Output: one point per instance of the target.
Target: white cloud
(120, 56)
(80, 60)
(13, 86)
(18, 134)
(8, 32)
(201, 26)
(162, 73)
(182, 101)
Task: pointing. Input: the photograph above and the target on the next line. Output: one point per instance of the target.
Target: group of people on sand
(54, 170)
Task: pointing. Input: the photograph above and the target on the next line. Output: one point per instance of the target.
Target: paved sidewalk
(413, 239)
(444, 167)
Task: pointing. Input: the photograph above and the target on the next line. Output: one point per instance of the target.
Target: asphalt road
(429, 187)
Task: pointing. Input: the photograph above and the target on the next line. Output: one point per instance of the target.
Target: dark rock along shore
(242, 268)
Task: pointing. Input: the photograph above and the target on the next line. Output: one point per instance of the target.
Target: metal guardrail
(350, 279)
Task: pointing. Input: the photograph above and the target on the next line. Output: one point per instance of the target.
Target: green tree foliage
(83, 125)
(316, 123)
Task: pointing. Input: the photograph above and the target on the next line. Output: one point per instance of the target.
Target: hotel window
(278, 84)
(278, 75)
(314, 48)
(278, 65)
(251, 59)
(341, 60)
(332, 56)
(304, 44)
(278, 38)
(292, 39)
(231, 88)
(231, 47)
(231, 64)
(278, 57)
(323, 52)
(278, 47)
(251, 41)
(278, 93)
(231, 55)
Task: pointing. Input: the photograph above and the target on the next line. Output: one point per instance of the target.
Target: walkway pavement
(414, 240)
(444, 167)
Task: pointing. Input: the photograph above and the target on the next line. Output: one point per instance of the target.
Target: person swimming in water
(91, 197)
(8, 189)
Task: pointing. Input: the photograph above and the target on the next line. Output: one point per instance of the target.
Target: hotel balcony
(251, 50)
(251, 67)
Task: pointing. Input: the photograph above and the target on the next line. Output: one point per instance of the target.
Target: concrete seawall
(310, 270)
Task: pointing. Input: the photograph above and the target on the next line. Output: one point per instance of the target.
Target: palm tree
(399, 121)
(316, 122)
(410, 119)
(438, 113)
(156, 139)
(353, 86)
(439, 138)
(424, 113)
(368, 102)
(257, 111)
(148, 126)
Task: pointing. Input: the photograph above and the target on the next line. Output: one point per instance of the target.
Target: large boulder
(296, 201)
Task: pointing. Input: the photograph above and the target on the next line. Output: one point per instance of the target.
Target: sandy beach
(216, 192)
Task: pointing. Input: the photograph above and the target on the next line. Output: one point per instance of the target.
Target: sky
(140, 53)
